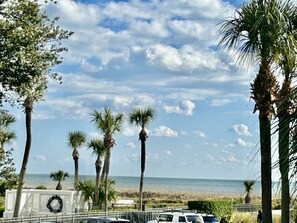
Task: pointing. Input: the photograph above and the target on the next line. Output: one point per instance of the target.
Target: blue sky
(159, 53)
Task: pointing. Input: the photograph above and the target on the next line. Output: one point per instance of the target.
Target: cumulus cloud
(185, 58)
(185, 107)
(241, 130)
(164, 131)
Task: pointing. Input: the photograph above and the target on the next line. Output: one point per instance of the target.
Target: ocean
(160, 184)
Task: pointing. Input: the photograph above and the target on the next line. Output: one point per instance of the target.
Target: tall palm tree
(108, 124)
(75, 140)
(286, 106)
(98, 149)
(59, 176)
(254, 31)
(142, 118)
(248, 186)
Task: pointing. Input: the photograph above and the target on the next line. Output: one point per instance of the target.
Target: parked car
(177, 217)
(209, 218)
(103, 220)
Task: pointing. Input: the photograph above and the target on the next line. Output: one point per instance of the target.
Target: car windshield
(192, 217)
(207, 219)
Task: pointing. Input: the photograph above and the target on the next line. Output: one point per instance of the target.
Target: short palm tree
(248, 186)
(108, 123)
(141, 118)
(254, 32)
(112, 194)
(98, 149)
(87, 189)
(75, 140)
(59, 176)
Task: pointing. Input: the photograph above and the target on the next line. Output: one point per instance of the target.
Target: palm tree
(141, 118)
(286, 106)
(87, 189)
(108, 124)
(98, 149)
(59, 176)
(254, 31)
(248, 186)
(112, 194)
(75, 140)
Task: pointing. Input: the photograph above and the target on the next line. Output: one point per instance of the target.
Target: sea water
(158, 184)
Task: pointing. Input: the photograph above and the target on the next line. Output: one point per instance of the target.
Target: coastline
(158, 187)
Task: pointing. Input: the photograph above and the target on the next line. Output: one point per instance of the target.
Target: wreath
(50, 206)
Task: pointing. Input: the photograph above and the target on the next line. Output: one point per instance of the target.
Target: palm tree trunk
(142, 173)
(266, 181)
(103, 170)
(75, 172)
(28, 104)
(284, 128)
(107, 160)
(98, 170)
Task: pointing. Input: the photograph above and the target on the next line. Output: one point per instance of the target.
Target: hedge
(220, 209)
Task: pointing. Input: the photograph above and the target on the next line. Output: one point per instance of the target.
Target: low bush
(221, 209)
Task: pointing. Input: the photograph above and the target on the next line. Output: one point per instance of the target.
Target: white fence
(134, 217)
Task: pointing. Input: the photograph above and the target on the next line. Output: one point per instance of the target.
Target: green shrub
(40, 187)
(221, 209)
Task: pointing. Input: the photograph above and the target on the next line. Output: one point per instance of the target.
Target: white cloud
(168, 152)
(164, 131)
(130, 131)
(200, 134)
(135, 157)
(244, 143)
(220, 102)
(40, 158)
(241, 130)
(211, 144)
(231, 145)
(210, 157)
(130, 145)
(153, 156)
(185, 58)
(232, 159)
(95, 135)
(185, 107)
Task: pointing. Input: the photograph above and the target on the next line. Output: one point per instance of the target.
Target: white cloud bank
(185, 107)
